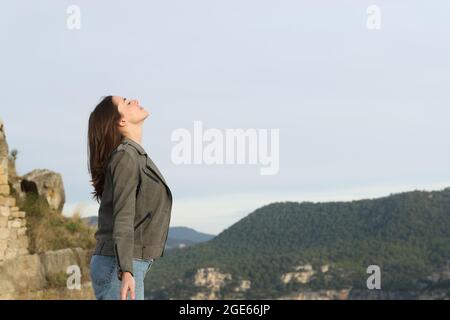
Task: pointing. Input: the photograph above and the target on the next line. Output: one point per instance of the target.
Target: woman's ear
(122, 122)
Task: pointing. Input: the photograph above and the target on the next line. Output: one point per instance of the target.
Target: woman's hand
(127, 284)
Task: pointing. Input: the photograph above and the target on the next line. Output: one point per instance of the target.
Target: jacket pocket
(150, 174)
(142, 220)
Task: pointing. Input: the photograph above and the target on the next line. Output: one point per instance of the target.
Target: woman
(135, 201)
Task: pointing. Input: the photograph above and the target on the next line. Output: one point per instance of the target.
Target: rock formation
(45, 183)
(13, 238)
(45, 275)
(212, 281)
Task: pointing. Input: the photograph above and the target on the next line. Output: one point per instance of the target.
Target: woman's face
(131, 111)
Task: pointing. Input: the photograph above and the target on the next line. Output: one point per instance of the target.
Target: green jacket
(135, 208)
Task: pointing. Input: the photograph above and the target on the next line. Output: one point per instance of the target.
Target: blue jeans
(103, 272)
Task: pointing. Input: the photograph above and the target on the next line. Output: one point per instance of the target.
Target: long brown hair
(103, 137)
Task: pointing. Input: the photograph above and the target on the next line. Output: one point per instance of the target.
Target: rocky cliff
(13, 238)
(57, 274)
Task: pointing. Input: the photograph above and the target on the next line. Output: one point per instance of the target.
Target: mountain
(91, 220)
(313, 250)
(178, 237)
(181, 237)
(189, 234)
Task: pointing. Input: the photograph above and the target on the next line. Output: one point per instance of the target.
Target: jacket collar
(149, 163)
(136, 145)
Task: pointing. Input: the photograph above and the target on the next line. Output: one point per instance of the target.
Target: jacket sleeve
(125, 178)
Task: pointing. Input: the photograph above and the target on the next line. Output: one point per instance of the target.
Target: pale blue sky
(361, 113)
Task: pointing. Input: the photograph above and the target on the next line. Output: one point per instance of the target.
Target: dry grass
(48, 229)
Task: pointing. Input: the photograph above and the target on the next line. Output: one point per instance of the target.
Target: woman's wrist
(121, 274)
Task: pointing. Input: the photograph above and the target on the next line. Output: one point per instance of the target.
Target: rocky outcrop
(45, 183)
(302, 274)
(13, 238)
(243, 286)
(3, 151)
(43, 275)
(61, 274)
(211, 280)
(319, 295)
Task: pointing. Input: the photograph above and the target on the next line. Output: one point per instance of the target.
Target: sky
(361, 113)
